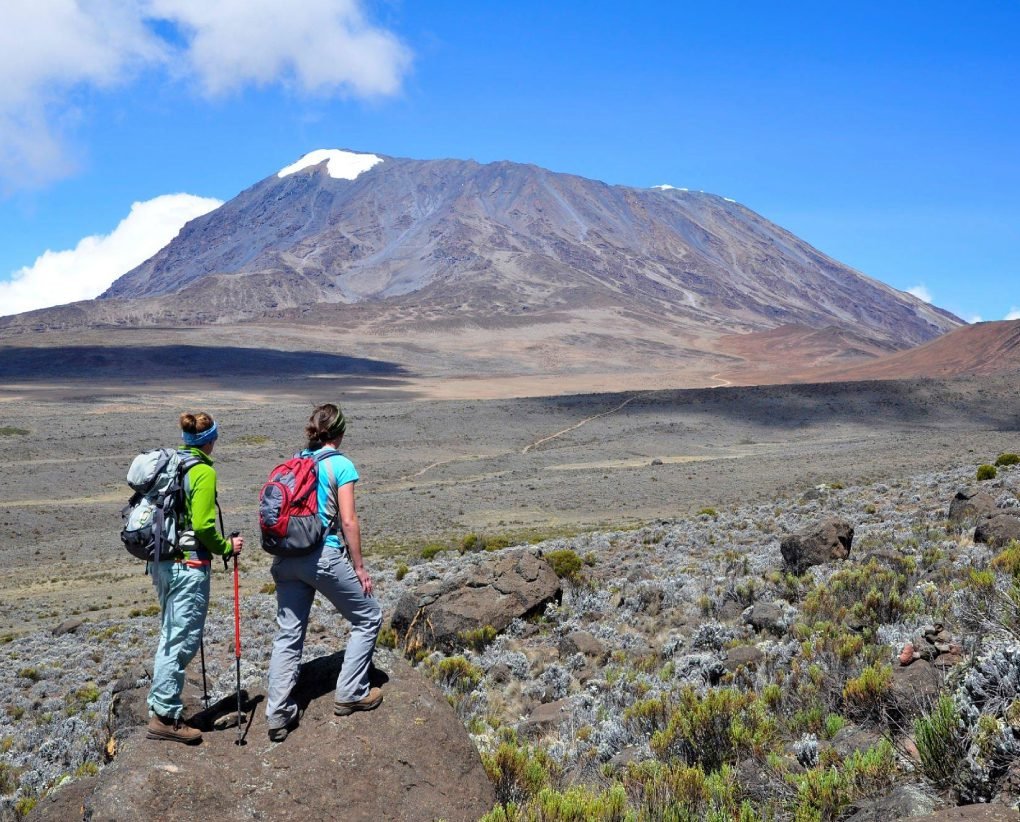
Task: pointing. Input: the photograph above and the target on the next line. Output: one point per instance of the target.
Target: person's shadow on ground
(317, 678)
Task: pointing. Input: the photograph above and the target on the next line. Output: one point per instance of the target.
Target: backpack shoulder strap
(332, 505)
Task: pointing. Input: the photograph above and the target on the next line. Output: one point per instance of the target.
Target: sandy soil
(437, 470)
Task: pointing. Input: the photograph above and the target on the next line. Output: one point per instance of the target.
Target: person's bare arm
(352, 533)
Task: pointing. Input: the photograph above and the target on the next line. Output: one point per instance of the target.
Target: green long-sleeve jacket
(200, 505)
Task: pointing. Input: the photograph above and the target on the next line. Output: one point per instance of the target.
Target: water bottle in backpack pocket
(153, 514)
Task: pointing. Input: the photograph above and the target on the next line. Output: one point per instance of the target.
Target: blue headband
(201, 438)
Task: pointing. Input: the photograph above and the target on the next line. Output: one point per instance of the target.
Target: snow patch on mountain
(341, 165)
(667, 187)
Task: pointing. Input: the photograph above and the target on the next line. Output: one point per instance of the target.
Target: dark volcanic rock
(901, 802)
(409, 759)
(494, 593)
(68, 626)
(582, 642)
(971, 504)
(970, 813)
(828, 540)
(914, 689)
(998, 531)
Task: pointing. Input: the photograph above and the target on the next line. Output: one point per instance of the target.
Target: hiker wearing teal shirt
(182, 583)
(335, 569)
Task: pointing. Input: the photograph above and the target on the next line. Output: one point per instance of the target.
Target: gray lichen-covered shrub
(806, 750)
(712, 636)
(988, 691)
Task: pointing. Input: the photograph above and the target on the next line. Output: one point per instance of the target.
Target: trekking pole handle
(226, 564)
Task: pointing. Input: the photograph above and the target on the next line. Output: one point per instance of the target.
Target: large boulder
(998, 531)
(409, 759)
(970, 505)
(970, 813)
(823, 542)
(492, 593)
(901, 802)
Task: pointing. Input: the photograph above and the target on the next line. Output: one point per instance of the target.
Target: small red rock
(907, 654)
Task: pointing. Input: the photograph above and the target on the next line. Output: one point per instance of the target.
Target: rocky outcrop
(828, 540)
(492, 593)
(998, 531)
(970, 505)
(409, 759)
(969, 813)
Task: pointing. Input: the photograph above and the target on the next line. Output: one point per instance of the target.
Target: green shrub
(675, 791)
(457, 674)
(86, 769)
(708, 512)
(11, 431)
(387, 638)
(30, 673)
(986, 472)
(827, 793)
(941, 742)
(149, 610)
(8, 779)
(76, 701)
(871, 593)
(268, 588)
(1008, 560)
(401, 572)
(565, 563)
(430, 550)
(1007, 459)
(865, 695)
(472, 542)
(478, 638)
(715, 728)
(518, 772)
(23, 807)
(252, 439)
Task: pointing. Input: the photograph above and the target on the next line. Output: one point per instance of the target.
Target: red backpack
(289, 507)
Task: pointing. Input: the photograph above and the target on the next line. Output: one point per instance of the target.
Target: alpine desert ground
(434, 471)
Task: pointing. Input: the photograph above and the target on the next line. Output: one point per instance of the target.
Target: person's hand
(364, 579)
(236, 544)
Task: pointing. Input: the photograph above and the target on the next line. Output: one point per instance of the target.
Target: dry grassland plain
(436, 470)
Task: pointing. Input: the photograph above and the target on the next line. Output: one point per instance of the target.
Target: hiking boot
(373, 700)
(280, 734)
(174, 730)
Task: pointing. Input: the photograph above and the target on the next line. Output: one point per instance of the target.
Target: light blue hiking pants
(183, 594)
(297, 579)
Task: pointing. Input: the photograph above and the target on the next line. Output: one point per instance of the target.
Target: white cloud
(975, 319)
(322, 46)
(46, 50)
(50, 49)
(921, 292)
(1014, 314)
(84, 272)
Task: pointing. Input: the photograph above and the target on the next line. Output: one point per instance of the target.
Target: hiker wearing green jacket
(182, 583)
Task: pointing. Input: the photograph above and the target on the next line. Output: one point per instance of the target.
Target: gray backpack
(151, 517)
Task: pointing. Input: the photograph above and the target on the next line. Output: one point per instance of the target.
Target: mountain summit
(549, 282)
(471, 241)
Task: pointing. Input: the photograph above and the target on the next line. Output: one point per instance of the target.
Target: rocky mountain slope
(504, 239)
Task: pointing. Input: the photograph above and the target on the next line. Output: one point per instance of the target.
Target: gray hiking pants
(297, 579)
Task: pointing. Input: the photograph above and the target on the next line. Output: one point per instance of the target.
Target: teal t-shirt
(343, 472)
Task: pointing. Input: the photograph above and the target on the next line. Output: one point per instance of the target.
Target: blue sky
(884, 134)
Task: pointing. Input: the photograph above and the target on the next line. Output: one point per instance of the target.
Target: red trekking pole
(237, 645)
